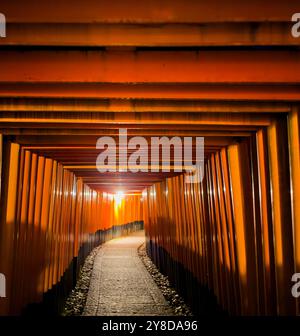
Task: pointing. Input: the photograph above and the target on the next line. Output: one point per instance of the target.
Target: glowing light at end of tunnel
(118, 197)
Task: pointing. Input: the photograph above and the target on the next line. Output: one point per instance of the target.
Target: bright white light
(120, 193)
(118, 197)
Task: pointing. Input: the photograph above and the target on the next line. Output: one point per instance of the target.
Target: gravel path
(162, 281)
(75, 303)
(121, 285)
(113, 281)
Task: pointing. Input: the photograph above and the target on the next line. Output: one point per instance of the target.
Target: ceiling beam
(152, 11)
(242, 67)
(136, 105)
(90, 34)
(178, 91)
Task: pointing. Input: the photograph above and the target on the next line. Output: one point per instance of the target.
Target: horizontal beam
(186, 91)
(154, 35)
(75, 138)
(19, 129)
(91, 149)
(131, 124)
(135, 105)
(151, 67)
(128, 118)
(152, 11)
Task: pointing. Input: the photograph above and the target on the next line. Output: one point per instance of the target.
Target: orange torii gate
(223, 70)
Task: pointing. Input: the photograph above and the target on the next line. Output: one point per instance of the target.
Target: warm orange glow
(172, 68)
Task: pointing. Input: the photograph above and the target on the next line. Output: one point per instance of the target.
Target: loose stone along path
(120, 283)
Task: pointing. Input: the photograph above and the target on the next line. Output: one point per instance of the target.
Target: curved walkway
(121, 285)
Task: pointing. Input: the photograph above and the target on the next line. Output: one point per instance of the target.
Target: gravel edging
(76, 300)
(176, 302)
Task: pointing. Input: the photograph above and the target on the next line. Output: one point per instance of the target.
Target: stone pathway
(121, 285)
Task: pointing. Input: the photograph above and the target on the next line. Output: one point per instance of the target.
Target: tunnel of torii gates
(228, 71)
